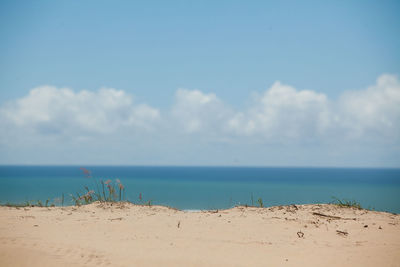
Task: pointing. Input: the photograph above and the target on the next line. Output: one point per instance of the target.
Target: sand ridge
(124, 234)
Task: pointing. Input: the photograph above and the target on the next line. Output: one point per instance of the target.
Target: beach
(123, 234)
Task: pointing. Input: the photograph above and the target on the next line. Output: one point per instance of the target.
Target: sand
(129, 235)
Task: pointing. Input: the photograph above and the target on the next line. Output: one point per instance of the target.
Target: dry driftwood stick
(332, 217)
(342, 232)
(327, 216)
(115, 219)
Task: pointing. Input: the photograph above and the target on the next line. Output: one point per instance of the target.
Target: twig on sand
(116, 219)
(342, 232)
(332, 217)
(327, 216)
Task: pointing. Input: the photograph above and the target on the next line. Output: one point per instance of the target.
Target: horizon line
(198, 166)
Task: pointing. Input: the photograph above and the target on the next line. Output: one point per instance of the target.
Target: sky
(227, 83)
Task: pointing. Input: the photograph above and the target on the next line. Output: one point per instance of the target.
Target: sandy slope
(128, 235)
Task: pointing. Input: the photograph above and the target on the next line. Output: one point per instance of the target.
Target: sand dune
(129, 235)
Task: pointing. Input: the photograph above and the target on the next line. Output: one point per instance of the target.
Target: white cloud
(283, 112)
(195, 111)
(372, 112)
(48, 109)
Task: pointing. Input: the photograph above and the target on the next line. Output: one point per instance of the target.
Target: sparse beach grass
(111, 191)
(346, 203)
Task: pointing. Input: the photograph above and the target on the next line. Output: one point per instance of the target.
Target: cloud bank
(282, 118)
(49, 110)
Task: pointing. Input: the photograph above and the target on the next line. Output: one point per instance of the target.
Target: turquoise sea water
(210, 187)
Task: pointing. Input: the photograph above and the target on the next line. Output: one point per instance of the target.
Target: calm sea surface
(210, 187)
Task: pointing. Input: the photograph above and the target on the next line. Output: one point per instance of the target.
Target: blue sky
(177, 60)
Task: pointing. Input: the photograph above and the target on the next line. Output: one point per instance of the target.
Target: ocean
(197, 188)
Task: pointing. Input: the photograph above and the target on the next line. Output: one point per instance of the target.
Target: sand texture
(128, 235)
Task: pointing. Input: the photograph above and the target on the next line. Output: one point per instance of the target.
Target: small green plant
(121, 189)
(252, 200)
(346, 203)
(111, 191)
(260, 202)
(104, 192)
(76, 200)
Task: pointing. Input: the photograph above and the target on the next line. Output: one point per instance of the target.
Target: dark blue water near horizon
(210, 187)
